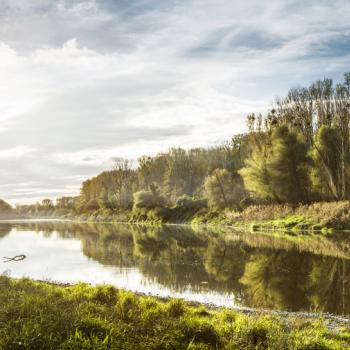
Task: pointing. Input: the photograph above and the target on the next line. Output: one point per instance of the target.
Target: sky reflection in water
(223, 268)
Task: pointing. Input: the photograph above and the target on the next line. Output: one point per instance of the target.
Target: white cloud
(86, 7)
(16, 152)
(85, 81)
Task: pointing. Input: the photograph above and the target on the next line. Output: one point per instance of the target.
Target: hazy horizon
(86, 81)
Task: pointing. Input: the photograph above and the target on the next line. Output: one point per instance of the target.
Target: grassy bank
(37, 315)
(322, 217)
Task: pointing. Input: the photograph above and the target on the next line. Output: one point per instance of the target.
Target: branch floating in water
(15, 258)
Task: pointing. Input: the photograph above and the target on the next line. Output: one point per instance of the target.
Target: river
(223, 267)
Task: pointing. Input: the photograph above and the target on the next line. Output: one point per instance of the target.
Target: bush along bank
(322, 217)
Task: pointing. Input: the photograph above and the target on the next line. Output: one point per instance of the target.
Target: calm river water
(222, 267)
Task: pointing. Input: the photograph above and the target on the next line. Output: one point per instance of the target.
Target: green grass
(290, 223)
(37, 315)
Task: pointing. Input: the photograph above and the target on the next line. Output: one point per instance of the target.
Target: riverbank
(321, 217)
(324, 218)
(40, 315)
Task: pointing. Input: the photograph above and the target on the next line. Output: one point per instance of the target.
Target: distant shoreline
(324, 218)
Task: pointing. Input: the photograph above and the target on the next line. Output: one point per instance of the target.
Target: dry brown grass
(327, 214)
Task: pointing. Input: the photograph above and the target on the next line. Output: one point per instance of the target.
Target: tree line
(298, 152)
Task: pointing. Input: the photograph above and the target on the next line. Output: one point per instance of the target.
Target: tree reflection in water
(260, 270)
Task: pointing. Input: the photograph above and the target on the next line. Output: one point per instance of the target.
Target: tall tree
(327, 174)
(278, 170)
(221, 190)
(125, 183)
(289, 166)
(256, 175)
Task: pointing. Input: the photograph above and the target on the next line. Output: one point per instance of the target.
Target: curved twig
(15, 258)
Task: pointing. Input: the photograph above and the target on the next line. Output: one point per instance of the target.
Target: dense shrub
(190, 203)
(148, 200)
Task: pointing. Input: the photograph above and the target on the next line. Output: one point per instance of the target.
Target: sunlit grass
(36, 315)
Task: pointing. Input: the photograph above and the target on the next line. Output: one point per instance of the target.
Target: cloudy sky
(82, 82)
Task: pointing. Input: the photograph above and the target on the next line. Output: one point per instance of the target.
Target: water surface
(223, 267)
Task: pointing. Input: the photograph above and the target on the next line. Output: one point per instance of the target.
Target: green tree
(47, 203)
(256, 175)
(221, 191)
(327, 174)
(289, 166)
(278, 170)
